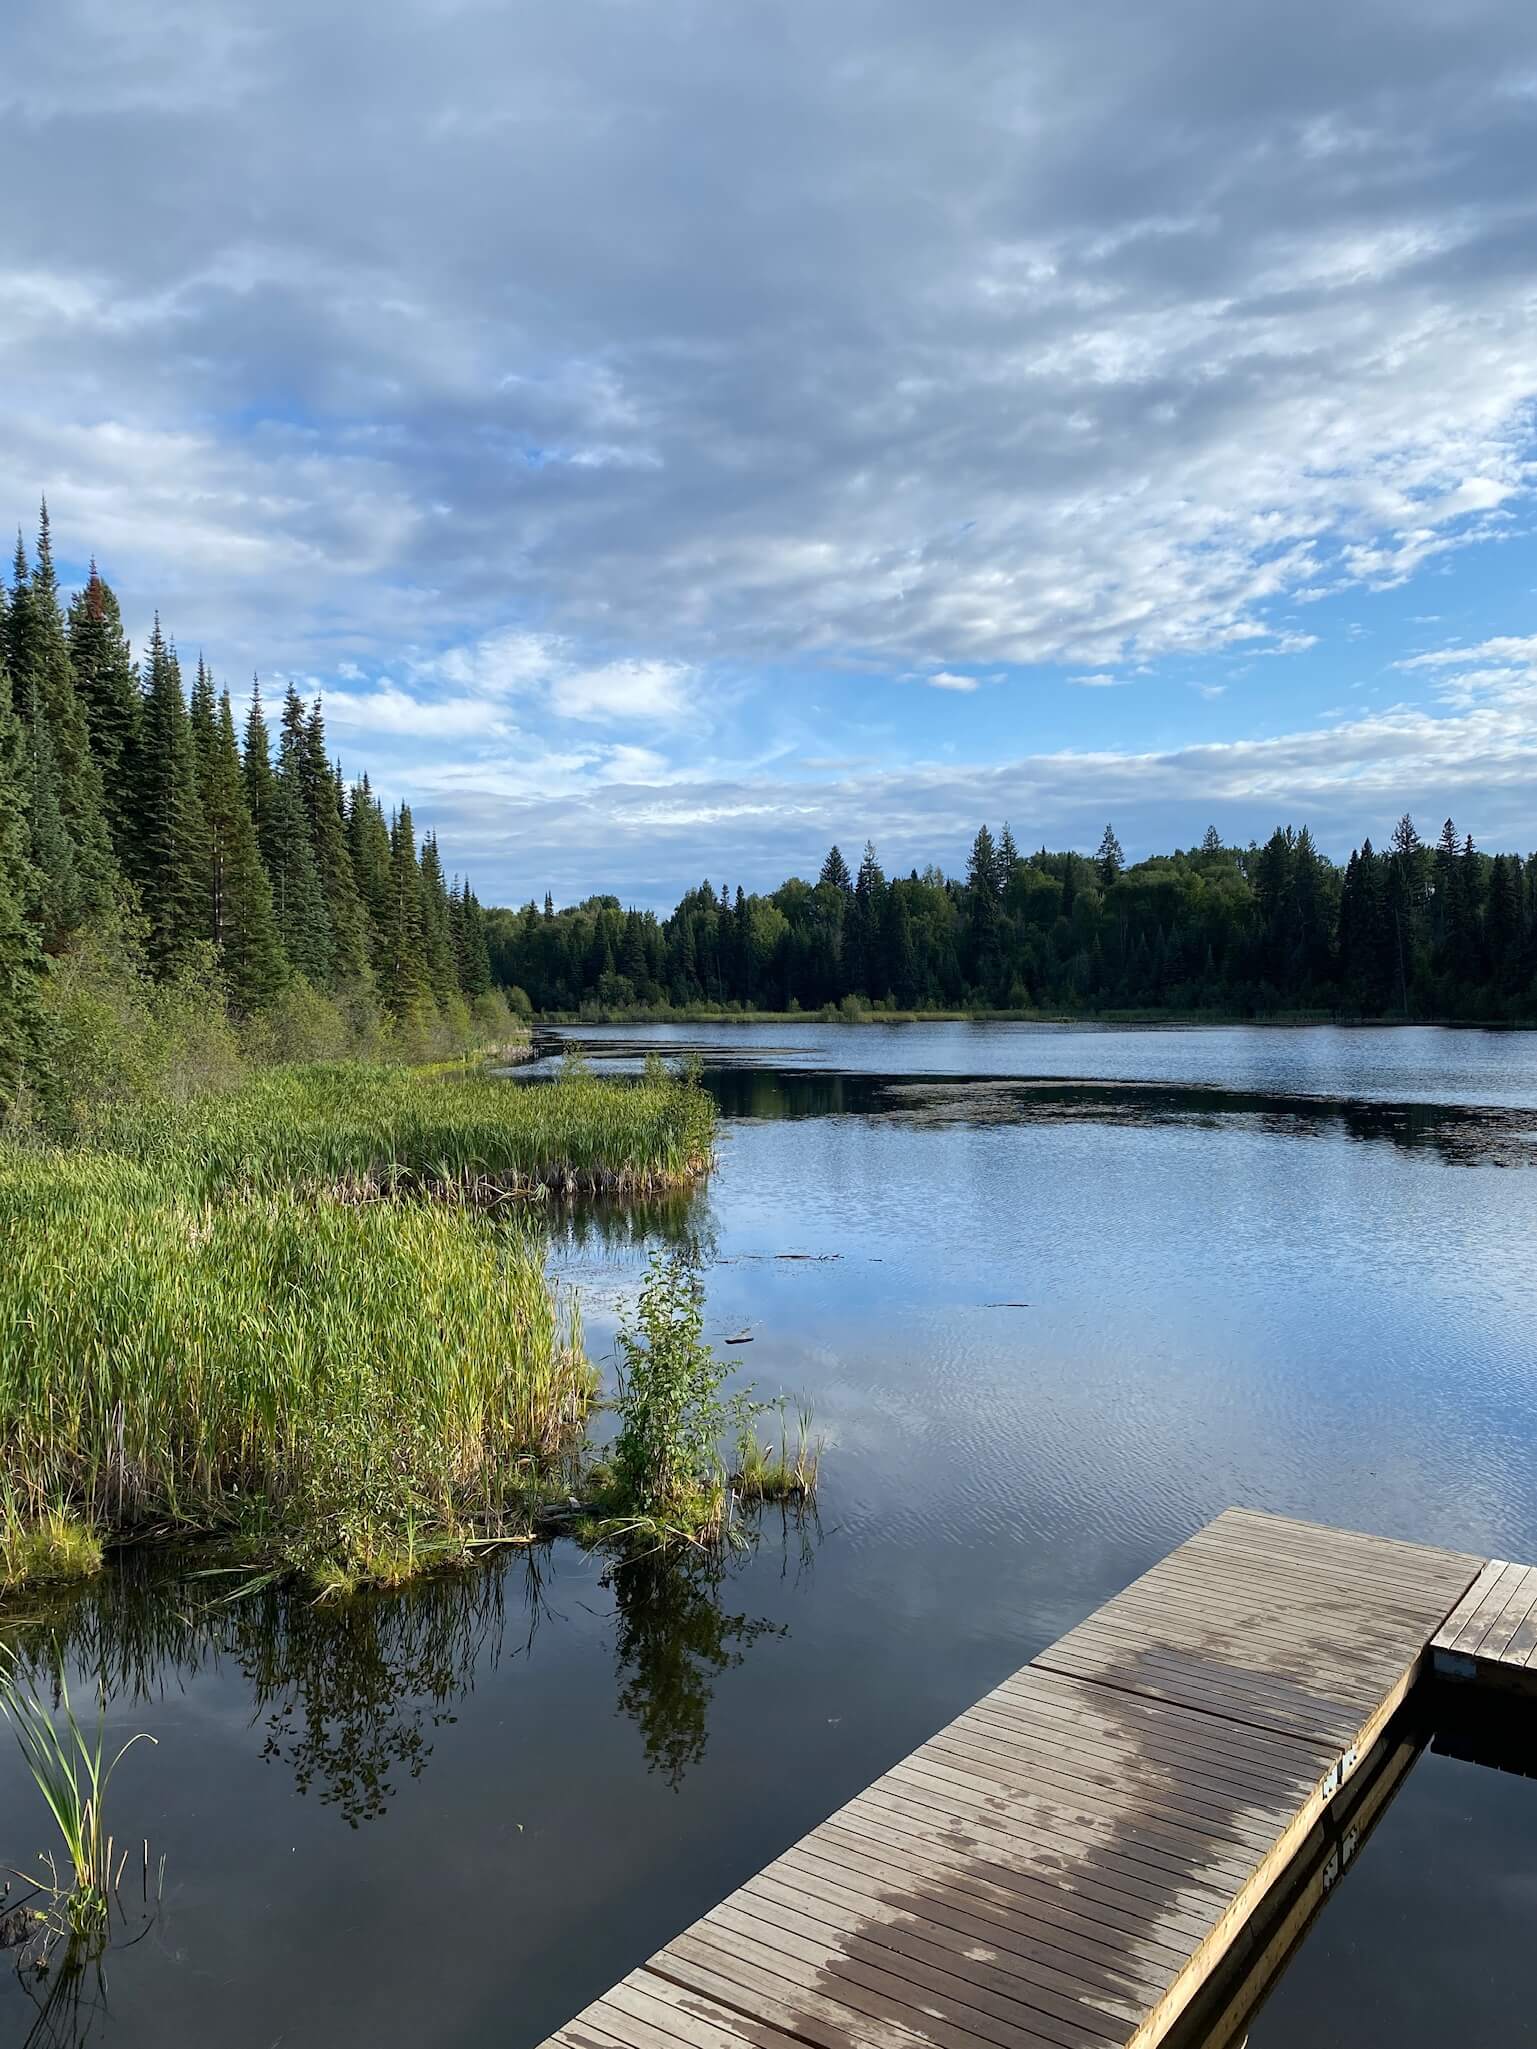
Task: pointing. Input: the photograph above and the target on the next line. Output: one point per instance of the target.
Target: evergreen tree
(368, 840)
(170, 847)
(1008, 858)
(256, 771)
(61, 783)
(242, 925)
(862, 928)
(437, 929)
(835, 871)
(298, 898)
(20, 959)
(406, 986)
(1108, 858)
(982, 909)
(345, 912)
(108, 688)
(470, 950)
(899, 966)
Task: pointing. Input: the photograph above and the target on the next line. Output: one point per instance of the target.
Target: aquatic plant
(358, 1389)
(357, 1130)
(212, 1320)
(70, 1770)
(669, 1473)
(783, 1472)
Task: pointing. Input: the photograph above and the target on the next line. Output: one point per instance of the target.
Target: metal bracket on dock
(1339, 1772)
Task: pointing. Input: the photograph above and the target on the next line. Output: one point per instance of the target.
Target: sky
(673, 435)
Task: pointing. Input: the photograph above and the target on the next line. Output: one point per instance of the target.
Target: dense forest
(171, 890)
(1439, 930)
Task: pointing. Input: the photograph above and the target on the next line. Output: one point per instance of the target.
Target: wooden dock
(1491, 1634)
(1069, 1862)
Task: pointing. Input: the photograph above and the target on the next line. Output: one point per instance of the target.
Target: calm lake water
(1057, 1296)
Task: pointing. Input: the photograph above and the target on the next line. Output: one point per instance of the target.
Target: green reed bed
(357, 1130)
(355, 1389)
(215, 1320)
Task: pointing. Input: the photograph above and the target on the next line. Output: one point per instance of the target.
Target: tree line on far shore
(164, 881)
(1413, 929)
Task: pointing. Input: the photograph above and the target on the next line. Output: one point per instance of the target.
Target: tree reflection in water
(674, 1639)
(349, 1695)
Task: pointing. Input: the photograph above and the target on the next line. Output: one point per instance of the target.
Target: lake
(1056, 1297)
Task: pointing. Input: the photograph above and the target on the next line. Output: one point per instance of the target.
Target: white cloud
(650, 690)
(1518, 648)
(388, 709)
(1107, 412)
(1101, 680)
(946, 679)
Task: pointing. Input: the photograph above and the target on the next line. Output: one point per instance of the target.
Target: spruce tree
(108, 689)
(170, 862)
(77, 771)
(471, 952)
(333, 858)
(368, 841)
(405, 981)
(256, 771)
(437, 935)
(1108, 858)
(242, 925)
(54, 893)
(20, 959)
(835, 871)
(298, 898)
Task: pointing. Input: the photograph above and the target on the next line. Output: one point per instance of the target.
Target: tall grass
(351, 1383)
(212, 1319)
(72, 1772)
(360, 1130)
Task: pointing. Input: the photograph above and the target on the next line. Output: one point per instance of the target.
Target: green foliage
(367, 1129)
(1217, 928)
(73, 1774)
(786, 1471)
(673, 1418)
(323, 1378)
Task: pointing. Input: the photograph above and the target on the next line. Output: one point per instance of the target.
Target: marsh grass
(237, 1315)
(354, 1388)
(786, 1471)
(360, 1131)
(72, 1772)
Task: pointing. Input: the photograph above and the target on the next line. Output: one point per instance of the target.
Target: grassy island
(307, 1315)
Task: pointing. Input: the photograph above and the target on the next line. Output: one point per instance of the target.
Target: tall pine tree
(242, 926)
(20, 959)
(171, 845)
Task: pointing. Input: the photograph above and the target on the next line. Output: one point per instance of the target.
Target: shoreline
(1185, 1020)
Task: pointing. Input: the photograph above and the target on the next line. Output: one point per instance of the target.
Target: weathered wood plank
(1064, 1865)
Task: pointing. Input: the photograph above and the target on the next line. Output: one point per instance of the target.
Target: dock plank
(1064, 1865)
(1492, 1632)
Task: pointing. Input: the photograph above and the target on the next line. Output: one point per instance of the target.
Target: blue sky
(672, 437)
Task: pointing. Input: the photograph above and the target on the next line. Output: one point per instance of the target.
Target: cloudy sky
(675, 434)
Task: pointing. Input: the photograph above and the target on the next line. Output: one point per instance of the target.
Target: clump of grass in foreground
(71, 1771)
(355, 1130)
(358, 1390)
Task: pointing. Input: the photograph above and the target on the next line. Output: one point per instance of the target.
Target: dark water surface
(1057, 1297)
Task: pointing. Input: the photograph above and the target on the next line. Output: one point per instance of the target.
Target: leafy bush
(673, 1418)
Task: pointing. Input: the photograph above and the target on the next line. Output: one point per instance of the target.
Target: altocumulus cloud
(581, 372)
